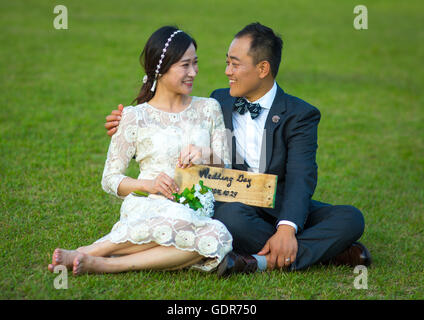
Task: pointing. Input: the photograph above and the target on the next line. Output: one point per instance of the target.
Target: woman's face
(180, 76)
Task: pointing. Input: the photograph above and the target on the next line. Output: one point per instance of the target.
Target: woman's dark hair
(264, 45)
(152, 52)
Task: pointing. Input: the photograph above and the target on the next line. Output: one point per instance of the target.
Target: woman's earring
(153, 86)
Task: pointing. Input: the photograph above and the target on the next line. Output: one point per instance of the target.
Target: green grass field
(57, 86)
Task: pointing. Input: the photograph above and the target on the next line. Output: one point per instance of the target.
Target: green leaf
(198, 205)
(141, 193)
(190, 196)
(185, 193)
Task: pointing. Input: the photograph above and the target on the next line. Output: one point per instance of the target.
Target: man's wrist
(285, 228)
(286, 222)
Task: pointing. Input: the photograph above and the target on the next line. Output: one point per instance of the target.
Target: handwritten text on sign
(230, 185)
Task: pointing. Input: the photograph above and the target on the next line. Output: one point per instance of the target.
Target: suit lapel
(227, 111)
(272, 122)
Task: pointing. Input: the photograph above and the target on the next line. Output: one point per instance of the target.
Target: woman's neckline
(189, 105)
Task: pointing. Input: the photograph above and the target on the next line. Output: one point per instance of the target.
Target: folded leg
(327, 232)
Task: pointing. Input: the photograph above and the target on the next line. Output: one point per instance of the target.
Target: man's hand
(280, 247)
(112, 120)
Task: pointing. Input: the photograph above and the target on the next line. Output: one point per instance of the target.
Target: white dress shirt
(249, 133)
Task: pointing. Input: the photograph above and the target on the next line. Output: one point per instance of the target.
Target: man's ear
(264, 69)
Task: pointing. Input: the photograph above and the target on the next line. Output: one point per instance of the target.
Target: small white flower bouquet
(199, 198)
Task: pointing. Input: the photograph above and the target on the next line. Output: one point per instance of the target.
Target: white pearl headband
(161, 59)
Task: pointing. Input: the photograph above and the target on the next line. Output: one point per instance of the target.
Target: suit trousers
(328, 230)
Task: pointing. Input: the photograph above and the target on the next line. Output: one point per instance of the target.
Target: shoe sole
(222, 267)
(368, 260)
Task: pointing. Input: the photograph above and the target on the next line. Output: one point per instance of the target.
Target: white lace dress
(156, 138)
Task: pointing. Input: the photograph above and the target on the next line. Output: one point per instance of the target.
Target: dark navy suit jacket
(288, 150)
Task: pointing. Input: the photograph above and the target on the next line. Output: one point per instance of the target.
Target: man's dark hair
(265, 45)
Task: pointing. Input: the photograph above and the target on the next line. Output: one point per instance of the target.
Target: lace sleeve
(219, 143)
(121, 151)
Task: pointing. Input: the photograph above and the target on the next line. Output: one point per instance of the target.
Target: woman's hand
(162, 184)
(192, 155)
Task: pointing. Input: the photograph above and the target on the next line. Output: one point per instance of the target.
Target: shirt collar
(266, 100)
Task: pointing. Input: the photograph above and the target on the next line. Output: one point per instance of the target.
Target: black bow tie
(242, 105)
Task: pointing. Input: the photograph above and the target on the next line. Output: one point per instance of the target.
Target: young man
(276, 133)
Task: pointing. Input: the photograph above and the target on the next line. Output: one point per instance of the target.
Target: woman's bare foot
(84, 263)
(63, 257)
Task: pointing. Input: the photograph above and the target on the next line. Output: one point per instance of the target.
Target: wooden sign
(229, 185)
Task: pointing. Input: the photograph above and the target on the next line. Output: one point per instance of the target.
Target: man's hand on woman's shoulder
(112, 120)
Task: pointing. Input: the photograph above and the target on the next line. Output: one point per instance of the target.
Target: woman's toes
(64, 257)
(77, 266)
(51, 267)
(58, 256)
(55, 256)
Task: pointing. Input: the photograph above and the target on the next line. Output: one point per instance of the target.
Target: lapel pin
(275, 119)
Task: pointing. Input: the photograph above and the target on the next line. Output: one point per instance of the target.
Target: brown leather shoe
(356, 254)
(236, 263)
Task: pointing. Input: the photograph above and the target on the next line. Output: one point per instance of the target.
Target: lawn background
(57, 86)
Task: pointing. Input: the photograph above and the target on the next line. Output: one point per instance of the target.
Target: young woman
(167, 127)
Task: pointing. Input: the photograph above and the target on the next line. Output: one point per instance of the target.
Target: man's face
(241, 70)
